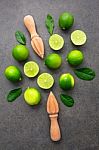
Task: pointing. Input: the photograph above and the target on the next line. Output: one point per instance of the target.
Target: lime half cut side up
(31, 69)
(78, 37)
(56, 42)
(45, 81)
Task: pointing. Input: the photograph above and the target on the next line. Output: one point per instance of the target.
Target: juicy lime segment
(66, 81)
(31, 69)
(56, 42)
(78, 37)
(45, 81)
(32, 96)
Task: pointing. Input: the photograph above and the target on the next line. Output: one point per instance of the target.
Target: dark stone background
(27, 128)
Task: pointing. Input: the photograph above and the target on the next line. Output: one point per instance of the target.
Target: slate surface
(26, 128)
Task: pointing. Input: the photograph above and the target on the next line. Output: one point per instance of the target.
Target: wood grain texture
(52, 105)
(36, 40)
(26, 128)
(53, 109)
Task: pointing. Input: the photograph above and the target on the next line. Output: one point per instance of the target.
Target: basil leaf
(49, 22)
(13, 94)
(20, 37)
(85, 73)
(67, 100)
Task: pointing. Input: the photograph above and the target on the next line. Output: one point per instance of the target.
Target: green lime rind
(75, 57)
(13, 73)
(66, 81)
(53, 61)
(31, 69)
(66, 20)
(20, 52)
(78, 37)
(56, 42)
(45, 81)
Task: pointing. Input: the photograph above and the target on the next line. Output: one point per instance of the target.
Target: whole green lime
(75, 57)
(32, 96)
(66, 81)
(53, 61)
(66, 20)
(13, 73)
(20, 52)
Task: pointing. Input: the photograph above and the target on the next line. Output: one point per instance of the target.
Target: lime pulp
(78, 37)
(45, 81)
(31, 69)
(56, 42)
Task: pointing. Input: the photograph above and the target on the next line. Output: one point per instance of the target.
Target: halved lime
(31, 69)
(78, 37)
(56, 42)
(45, 81)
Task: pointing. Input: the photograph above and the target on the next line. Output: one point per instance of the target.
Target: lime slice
(45, 81)
(31, 69)
(56, 42)
(78, 37)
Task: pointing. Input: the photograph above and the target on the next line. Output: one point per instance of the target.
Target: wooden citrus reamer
(36, 40)
(53, 109)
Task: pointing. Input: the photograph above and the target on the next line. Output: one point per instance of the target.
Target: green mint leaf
(49, 22)
(85, 73)
(67, 100)
(20, 37)
(13, 94)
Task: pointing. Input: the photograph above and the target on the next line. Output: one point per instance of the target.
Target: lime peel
(66, 81)
(75, 57)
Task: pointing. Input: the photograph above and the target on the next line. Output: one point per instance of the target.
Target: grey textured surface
(26, 128)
